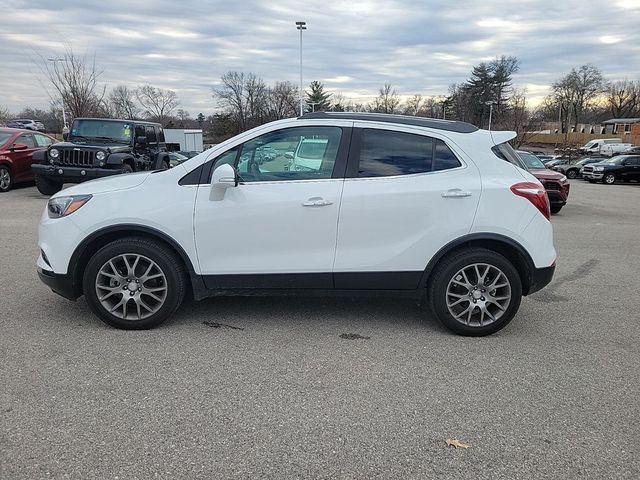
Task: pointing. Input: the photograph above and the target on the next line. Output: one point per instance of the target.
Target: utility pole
(301, 26)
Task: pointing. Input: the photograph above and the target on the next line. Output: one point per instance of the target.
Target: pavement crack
(211, 324)
(353, 336)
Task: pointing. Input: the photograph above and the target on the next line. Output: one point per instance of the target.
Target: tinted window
(140, 132)
(302, 153)
(27, 140)
(506, 152)
(160, 134)
(43, 141)
(151, 135)
(444, 158)
(385, 153)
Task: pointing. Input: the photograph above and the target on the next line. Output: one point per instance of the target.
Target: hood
(111, 147)
(106, 184)
(546, 174)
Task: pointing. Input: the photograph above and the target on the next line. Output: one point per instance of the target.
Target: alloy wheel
(5, 179)
(478, 295)
(131, 286)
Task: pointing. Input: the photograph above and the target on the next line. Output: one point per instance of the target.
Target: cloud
(354, 46)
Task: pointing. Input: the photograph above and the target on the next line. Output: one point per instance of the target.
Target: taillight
(535, 194)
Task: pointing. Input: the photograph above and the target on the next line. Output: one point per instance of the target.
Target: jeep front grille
(78, 158)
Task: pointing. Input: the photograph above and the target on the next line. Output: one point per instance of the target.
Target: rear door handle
(456, 193)
(316, 202)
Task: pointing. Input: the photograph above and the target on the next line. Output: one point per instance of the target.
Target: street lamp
(491, 103)
(64, 114)
(313, 105)
(301, 26)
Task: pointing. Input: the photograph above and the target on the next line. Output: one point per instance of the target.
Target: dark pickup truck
(617, 169)
(98, 147)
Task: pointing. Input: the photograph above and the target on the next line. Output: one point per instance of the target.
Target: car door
(22, 158)
(632, 168)
(406, 195)
(277, 227)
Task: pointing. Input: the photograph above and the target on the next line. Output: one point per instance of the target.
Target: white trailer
(188, 139)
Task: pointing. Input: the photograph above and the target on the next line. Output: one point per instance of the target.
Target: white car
(309, 154)
(397, 205)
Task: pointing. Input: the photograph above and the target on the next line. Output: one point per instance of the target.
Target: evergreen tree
(317, 99)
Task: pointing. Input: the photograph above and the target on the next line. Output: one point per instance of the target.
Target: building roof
(621, 121)
(448, 125)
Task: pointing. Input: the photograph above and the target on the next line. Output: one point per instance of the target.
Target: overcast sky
(351, 46)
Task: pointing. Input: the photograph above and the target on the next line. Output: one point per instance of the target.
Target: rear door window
(151, 135)
(385, 153)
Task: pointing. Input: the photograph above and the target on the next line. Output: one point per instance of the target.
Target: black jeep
(98, 147)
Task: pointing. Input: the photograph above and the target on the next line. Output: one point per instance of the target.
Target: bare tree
(387, 100)
(75, 79)
(157, 102)
(282, 101)
(623, 98)
(576, 92)
(414, 105)
(5, 116)
(123, 102)
(243, 97)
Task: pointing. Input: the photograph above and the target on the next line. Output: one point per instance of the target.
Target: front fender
(39, 156)
(118, 158)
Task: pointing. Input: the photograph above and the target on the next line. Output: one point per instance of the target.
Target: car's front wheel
(572, 173)
(609, 179)
(134, 283)
(5, 179)
(475, 292)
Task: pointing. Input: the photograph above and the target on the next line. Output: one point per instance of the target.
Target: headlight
(100, 155)
(63, 206)
(54, 153)
(563, 179)
(598, 169)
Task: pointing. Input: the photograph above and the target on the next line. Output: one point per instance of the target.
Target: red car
(16, 149)
(555, 183)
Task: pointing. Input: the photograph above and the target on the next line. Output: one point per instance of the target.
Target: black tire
(46, 186)
(556, 208)
(572, 173)
(6, 180)
(126, 168)
(449, 267)
(165, 165)
(167, 263)
(609, 179)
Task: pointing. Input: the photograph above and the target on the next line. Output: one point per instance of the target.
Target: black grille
(588, 169)
(80, 158)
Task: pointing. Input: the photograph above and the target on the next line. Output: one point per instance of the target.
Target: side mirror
(223, 177)
(19, 146)
(65, 136)
(288, 155)
(141, 141)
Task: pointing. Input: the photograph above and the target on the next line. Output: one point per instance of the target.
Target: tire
(46, 186)
(572, 173)
(609, 179)
(112, 275)
(6, 181)
(166, 165)
(556, 209)
(449, 299)
(126, 168)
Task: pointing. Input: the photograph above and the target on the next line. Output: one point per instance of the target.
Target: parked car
(27, 124)
(553, 162)
(396, 205)
(555, 184)
(308, 154)
(574, 169)
(635, 150)
(613, 149)
(622, 168)
(544, 157)
(188, 153)
(176, 158)
(100, 147)
(17, 147)
(593, 147)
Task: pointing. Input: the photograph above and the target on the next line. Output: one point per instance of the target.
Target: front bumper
(63, 173)
(62, 284)
(592, 175)
(540, 278)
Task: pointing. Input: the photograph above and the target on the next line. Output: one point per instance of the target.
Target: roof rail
(448, 125)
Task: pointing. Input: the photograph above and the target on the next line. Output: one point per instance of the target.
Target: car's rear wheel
(46, 186)
(572, 173)
(475, 292)
(134, 283)
(609, 179)
(5, 179)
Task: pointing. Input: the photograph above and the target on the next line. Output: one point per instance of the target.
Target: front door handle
(456, 193)
(316, 202)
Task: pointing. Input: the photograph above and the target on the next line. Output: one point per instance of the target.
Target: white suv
(397, 205)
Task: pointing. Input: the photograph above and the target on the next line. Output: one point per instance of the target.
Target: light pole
(301, 26)
(313, 105)
(491, 103)
(64, 114)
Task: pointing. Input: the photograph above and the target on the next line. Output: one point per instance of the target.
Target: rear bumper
(540, 278)
(65, 174)
(62, 284)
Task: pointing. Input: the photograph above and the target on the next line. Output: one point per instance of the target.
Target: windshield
(589, 144)
(4, 137)
(531, 161)
(614, 160)
(101, 130)
(312, 149)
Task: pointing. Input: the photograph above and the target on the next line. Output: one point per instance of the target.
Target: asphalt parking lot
(275, 392)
